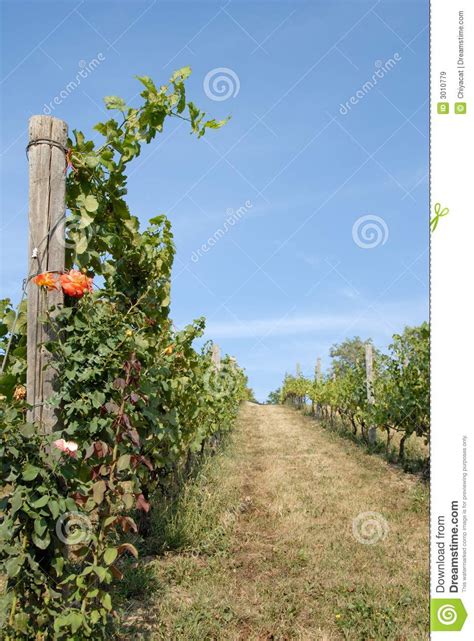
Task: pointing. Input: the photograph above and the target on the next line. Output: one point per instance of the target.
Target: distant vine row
(400, 388)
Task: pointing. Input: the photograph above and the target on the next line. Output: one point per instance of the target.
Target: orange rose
(46, 279)
(19, 393)
(75, 283)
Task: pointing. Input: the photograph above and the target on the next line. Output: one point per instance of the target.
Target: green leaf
(91, 161)
(109, 520)
(85, 220)
(27, 430)
(128, 500)
(97, 399)
(148, 82)
(21, 622)
(181, 74)
(98, 491)
(40, 526)
(75, 621)
(114, 102)
(80, 242)
(16, 501)
(107, 601)
(91, 203)
(123, 462)
(95, 616)
(54, 509)
(30, 472)
(110, 555)
(41, 542)
(58, 565)
(100, 572)
(13, 565)
(41, 502)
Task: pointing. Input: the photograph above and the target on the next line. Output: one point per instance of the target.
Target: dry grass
(416, 448)
(267, 550)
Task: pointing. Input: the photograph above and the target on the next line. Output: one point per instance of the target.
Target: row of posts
(369, 369)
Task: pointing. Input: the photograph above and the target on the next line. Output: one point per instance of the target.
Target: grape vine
(134, 397)
(401, 389)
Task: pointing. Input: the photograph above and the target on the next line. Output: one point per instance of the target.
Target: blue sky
(290, 277)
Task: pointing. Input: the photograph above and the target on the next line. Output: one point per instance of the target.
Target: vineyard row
(385, 394)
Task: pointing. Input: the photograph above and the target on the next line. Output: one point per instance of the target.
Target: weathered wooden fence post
(47, 189)
(369, 369)
(331, 409)
(216, 437)
(216, 356)
(318, 377)
(299, 399)
(318, 369)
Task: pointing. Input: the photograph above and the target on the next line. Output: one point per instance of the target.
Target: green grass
(191, 535)
(139, 580)
(198, 519)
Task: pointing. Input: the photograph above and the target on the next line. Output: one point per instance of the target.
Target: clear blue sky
(287, 280)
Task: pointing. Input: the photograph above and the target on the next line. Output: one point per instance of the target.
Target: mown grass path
(274, 554)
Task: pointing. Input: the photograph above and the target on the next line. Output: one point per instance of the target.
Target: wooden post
(216, 356)
(47, 189)
(216, 437)
(318, 376)
(331, 409)
(300, 400)
(369, 368)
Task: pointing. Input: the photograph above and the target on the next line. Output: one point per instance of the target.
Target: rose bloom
(46, 279)
(69, 447)
(75, 283)
(19, 393)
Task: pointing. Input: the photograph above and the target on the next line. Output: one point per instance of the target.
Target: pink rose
(69, 447)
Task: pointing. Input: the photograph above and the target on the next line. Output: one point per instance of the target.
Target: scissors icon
(438, 213)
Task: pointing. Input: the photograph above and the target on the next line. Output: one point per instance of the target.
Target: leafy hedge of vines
(132, 393)
(401, 388)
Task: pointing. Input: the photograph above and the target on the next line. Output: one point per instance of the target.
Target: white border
(452, 290)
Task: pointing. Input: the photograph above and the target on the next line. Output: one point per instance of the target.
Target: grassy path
(265, 548)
